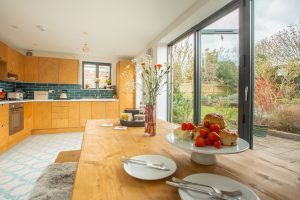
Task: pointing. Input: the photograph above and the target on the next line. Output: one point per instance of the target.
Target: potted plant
(108, 83)
(261, 122)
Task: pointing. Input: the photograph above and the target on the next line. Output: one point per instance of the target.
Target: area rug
(55, 183)
(23, 164)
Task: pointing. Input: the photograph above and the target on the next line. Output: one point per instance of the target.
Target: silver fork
(125, 158)
(234, 193)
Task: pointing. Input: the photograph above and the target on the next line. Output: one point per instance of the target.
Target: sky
(272, 16)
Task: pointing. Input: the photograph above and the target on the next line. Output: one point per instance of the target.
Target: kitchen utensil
(195, 189)
(220, 182)
(233, 193)
(147, 173)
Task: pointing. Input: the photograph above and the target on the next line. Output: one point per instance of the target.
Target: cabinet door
(85, 112)
(31, 73)
(28, 117)
(3, 52)
(112, 110)
(48, 70)
(68, 71)
(42, 118)
(125, 75)
(60, 114)
(98, 110)
(74, 114)
(3, 137)
(20, 66)
(12, 61)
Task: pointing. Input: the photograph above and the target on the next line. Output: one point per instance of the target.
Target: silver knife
(186, 187)
(139, 162)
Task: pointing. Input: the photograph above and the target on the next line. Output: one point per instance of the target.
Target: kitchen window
(95, 74)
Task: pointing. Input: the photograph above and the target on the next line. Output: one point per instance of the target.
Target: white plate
(147, 173)
(217, 181)
(189, 145)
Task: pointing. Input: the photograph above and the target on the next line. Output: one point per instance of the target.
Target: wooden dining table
(101, 176)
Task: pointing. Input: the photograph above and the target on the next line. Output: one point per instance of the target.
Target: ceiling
(115, 28)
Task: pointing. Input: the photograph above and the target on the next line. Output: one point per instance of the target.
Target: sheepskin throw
(55, 183)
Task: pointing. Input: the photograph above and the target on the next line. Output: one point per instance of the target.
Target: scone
(215, 118)
(179, 133)
(228, 137)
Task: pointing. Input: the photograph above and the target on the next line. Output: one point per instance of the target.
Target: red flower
(158, 66)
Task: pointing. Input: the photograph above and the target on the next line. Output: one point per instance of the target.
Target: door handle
(246, 93)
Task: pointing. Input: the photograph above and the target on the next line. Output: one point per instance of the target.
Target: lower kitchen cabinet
(60, 114)
(98, 110)
(3, 127)
(74, 114)
(42, 115)
(112, 110)
(85, 112)
(28, 117)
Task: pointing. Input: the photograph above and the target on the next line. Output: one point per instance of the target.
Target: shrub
(286, 118)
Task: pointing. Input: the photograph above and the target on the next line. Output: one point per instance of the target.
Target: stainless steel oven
(16, 117)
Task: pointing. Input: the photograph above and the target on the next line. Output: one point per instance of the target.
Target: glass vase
(150, 120)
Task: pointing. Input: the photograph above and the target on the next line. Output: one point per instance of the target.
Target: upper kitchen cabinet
(68, 71)
(125, 77)
(3, 52)
(15, 64)
(48, 70)
(31, 72)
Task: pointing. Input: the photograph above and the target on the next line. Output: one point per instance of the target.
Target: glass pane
(219, 43)
(89, 75)
(104, 73)
(183, 83)
(277, 78)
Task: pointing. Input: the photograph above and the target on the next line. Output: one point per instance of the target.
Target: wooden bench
(68, 156)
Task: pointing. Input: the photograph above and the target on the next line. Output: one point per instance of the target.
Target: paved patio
(279, 147)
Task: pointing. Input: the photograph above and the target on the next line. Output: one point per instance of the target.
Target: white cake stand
(206, 155)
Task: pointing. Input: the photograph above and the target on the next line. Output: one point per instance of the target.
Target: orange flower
(158, 66)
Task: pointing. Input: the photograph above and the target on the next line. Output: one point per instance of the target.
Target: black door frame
(246, 70)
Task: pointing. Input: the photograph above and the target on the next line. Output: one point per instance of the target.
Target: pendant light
(85, 48)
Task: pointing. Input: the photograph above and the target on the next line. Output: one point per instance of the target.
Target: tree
(227, 72)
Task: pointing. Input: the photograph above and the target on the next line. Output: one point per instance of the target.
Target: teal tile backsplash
(74, 91)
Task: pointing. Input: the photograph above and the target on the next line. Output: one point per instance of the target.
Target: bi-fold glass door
(217, 72)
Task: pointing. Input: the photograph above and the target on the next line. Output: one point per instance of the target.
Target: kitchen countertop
(53, 100)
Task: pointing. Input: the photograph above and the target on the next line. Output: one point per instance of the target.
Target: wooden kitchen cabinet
(60, 114)
(85, 112)
(28, 117)
(3, 52)
(112, 110)
(74, 115)
(48, 70)
(31, 73)
(4, 126)
(125, 74)
(98, 110)
(12, 61)
(42, 115)
(68, 71)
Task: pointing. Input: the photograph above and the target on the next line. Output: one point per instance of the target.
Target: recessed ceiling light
(14, 26)
(41, 28)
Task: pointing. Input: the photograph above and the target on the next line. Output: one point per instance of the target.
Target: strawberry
(184, 126)
(213, 136)
(206, 123)
(208, 142)
(199, 142)
(190, 126)
(217, 144)
(203, 133)
(215, 127)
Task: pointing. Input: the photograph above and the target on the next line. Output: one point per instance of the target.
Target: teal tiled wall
(74, 91)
